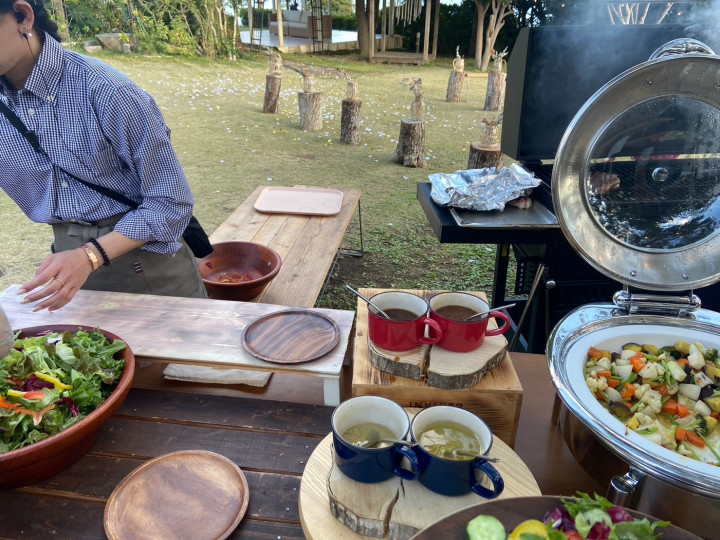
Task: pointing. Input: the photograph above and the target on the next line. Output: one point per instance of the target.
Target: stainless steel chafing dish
(636, 189)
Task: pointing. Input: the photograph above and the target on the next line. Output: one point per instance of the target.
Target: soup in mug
(397, 314)
(443, 439)
(456, 313)
(368, 431)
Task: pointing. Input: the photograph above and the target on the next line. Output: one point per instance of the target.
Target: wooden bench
(307, 245)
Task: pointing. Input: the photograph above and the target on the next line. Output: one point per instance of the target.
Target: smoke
(702, 23)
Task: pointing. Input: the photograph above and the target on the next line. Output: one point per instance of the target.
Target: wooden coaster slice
(450, 370)
(411, 364)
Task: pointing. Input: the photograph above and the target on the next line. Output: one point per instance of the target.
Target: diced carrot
(604, 373)
(695, 439)
(600, 396)
(671, 407)
(5, 404)
(715, 415)
(682, 411)
(595, 353)
(638, 363)
(680, 434)
(662, 389)
(683, 361)
(613, 383)
(628, 391)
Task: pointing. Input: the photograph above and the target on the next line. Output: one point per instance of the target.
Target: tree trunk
(272, 93)
(495, 97)
(351, 121)
(410, 149)
(310, 104)
(481, 10)
(482, 157)
(362, 28)
(455, 86)
(61, 19)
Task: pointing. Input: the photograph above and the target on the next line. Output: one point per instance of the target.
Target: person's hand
(57, 279)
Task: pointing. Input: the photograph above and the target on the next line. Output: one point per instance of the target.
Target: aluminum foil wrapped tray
(482, 189)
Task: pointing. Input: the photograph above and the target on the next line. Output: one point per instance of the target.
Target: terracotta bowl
(238, 270)
(46, 458)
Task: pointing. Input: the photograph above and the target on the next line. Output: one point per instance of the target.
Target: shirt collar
(44, 79)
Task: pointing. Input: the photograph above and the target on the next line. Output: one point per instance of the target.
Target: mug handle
(501, 330)
(438, 331)
(414, 471)
(494, 476)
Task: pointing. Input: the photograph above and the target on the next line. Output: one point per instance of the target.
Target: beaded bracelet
(105, 258)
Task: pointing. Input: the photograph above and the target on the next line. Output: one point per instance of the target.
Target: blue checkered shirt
(98, 125)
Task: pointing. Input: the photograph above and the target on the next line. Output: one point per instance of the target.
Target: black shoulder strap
(32, 138)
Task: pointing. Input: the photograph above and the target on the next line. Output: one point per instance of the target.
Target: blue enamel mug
(382, 462)
(459, 474)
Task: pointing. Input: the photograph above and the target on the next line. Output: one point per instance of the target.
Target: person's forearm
(113, 244)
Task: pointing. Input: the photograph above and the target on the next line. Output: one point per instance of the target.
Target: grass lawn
(228, 147)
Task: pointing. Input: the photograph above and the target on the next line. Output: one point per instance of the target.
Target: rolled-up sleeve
(134, 126)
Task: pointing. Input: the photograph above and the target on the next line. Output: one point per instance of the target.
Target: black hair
(42, 17)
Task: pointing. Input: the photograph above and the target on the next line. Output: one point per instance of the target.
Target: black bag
(194, 235)
(197, 239)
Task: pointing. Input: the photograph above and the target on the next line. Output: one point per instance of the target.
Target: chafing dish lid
(636, 179)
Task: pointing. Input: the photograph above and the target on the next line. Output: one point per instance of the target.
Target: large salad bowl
(44, 459)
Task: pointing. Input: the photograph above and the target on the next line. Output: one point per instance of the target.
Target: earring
(29, 34)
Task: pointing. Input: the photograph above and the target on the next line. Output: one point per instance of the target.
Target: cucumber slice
(485, 528)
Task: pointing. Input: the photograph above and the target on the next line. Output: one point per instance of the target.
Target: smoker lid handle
(681, 46)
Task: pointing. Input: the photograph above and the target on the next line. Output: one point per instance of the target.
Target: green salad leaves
(51, 381)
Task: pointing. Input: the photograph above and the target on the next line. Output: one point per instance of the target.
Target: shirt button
(64, 184)
(31, 111)
(50, 99)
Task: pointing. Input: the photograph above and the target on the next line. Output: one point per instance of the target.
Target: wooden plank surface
(270, 441)
(306, 244)
(182, 330)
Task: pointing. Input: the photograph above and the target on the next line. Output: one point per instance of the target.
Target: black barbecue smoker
(553, 71)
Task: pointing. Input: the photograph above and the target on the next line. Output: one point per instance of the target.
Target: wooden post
(410, 149)
(272, 93)
(455, 86)
(495, 97)
(482, 157)
(310, 104)
(351, 121)
(426, 35)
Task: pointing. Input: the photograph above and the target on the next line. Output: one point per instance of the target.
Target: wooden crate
(496, 399)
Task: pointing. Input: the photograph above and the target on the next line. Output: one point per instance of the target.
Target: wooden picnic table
(307, 245)
(271, 441)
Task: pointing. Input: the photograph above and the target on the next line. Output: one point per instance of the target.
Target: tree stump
(310, 104)
(455, 86)
(350, 121)
(272, 93)
(495, 97)
(410, 149)
(482, 157)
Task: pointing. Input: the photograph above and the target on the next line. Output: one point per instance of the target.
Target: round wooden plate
(512, 512)
(291, 336)
(191, 494)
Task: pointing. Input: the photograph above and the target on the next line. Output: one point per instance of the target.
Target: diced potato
(682, 346)
(713, 372)
(711, 423)
(651, 349)
(632, 347)
(713, 403)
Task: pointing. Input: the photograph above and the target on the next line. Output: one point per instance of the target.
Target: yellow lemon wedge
(531, 526)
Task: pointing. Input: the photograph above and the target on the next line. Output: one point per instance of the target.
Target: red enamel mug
(406, 328)
(450, 310)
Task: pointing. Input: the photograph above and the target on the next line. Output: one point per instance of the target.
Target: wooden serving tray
(299, 200)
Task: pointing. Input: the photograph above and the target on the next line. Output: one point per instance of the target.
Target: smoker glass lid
(636, 183)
